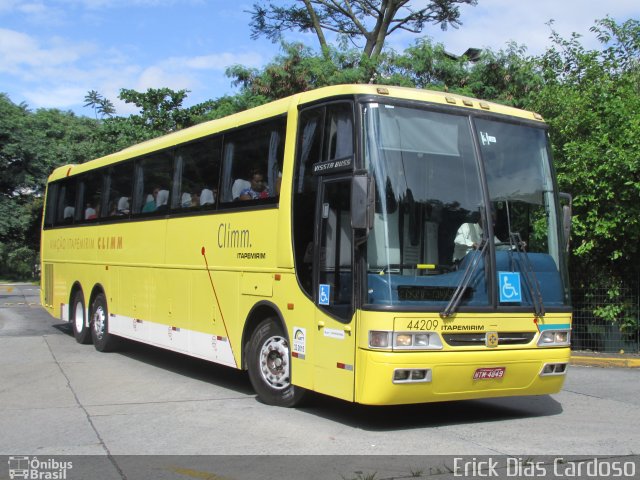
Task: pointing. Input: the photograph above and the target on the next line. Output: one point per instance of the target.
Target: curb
(605, 362)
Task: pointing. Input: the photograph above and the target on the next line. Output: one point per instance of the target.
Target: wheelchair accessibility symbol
(509, 287)
(325, 290)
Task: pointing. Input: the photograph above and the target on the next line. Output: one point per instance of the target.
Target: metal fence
(590, 329)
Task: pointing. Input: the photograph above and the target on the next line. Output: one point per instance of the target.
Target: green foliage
(32, 144)
(100, 105)
(161, 111)
(299, 69)
(591, 99)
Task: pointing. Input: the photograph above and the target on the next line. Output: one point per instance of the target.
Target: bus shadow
(190, 367)
(178, 363)
(365, 417)
(64, 328)
(425, 415)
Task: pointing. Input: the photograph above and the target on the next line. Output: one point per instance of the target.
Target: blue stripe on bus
(555, 326)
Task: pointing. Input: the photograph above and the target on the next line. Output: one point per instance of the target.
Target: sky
(52, 52)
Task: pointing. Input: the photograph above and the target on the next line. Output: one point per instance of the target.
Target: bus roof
(280, 107)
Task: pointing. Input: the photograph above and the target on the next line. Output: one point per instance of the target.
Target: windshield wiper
(531, 280)
(471, 268)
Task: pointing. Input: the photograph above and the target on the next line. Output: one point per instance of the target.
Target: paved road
(61, 398)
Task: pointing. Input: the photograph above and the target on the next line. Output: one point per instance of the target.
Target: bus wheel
(269, 365)
(102, 339)
(80, 329)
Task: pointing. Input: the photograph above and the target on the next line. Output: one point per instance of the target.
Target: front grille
(473, 339)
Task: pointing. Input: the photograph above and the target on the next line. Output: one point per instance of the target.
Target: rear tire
(269, 365)
(102, 339)
(78, 313)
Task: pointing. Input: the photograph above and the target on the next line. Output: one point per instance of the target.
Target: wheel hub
(274, 362)
(98, 322)
(79, 317)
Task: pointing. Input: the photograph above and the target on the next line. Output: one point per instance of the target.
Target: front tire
(81, 330)
(102, 339)
(269, 365)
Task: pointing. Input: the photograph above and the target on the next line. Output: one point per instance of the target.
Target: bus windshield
(431, 224)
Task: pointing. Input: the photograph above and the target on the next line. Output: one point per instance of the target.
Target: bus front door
(335, 341)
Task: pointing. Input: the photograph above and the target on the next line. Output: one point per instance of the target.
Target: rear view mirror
(362, 201)
(567, 206)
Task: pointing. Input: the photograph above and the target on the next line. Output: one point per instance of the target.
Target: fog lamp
(401, 375)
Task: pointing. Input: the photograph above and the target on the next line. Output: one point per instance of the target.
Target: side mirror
(363, 195)
(567, 208)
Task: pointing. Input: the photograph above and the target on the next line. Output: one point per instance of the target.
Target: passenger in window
(68, 213)
(258, 188)
(162, 200)
(113, 208)
(150, 202)
(239, 186)
(470, 236)
(208, 196)
(90, 212)
(186, 201)
(123, 206)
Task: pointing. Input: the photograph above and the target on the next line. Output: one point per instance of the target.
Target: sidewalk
(594, 359)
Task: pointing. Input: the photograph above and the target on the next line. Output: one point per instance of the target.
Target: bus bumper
(450, 375)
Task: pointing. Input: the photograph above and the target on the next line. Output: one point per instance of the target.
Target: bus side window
(50, 207)
(197, 170)
(90, 196)
(152, 185)
(339, 132)
(66, 207)
(118, 187)
(252, 163)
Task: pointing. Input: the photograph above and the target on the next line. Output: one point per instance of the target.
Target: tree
(32, 144)
(591, 100)
(161, 112)
(299, 69)
(100, 105)
(368, 21)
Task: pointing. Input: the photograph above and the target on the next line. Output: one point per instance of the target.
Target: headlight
(554, 338)
(404, 340)
(416, 341)
(379, 339)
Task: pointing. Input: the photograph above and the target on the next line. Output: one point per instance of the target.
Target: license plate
(489, 373)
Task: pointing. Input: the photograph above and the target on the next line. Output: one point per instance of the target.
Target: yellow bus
(381, 245)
